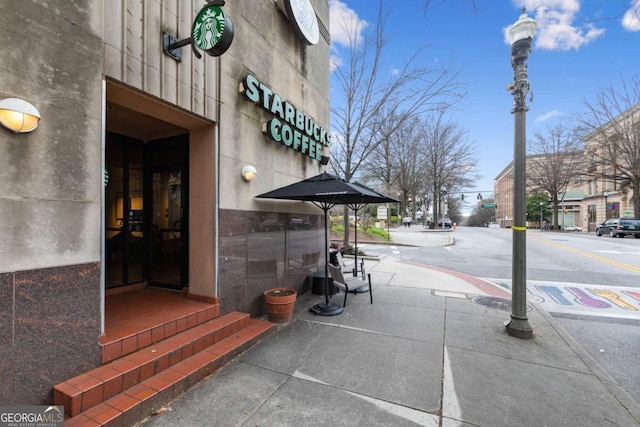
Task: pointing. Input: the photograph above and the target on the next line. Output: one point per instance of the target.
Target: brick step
(208, 344)
(112, 347)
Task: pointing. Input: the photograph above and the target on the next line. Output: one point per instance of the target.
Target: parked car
(299, 224)
(271, 225)
(619, 227)
(572, 228)
(445, 222)
(494, 225)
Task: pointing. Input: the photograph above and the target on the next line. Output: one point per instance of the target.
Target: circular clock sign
(212, 31)
(304, 20)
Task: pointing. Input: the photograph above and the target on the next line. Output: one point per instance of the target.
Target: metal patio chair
(351, 284)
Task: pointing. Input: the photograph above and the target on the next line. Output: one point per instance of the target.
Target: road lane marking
(591, 255)
(618, 252)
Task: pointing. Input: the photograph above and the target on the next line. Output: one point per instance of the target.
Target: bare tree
(397, 160)
(554, 162)
(611, 128)
(449, 159)
(480, 217)
(365, 92)
(407, 162)
(380, 165)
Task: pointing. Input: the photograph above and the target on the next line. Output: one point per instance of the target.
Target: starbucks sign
(289, 125)
(212, 30)
(303, 18)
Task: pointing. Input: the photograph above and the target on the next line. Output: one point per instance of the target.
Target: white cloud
(557, 27)
(345, 27)
(631, 19)
(548, 116)
(345, 24)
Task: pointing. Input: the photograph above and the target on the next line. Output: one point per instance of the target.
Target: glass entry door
(147, 212)
(169, 212)
(168, 244)
(125, 254)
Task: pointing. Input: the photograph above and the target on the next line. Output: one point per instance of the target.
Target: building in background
(604, 187)
(503, 197)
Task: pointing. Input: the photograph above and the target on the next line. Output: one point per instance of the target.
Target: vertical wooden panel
(211, 93)
(184, 71)
(153, 47)
(133, 53)
(113, 38)
(134, 47)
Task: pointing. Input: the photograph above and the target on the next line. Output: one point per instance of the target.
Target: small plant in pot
(280, 303)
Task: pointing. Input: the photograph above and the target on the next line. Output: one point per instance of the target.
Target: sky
(579, 48)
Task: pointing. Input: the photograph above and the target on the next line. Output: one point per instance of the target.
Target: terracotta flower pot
(280, 302)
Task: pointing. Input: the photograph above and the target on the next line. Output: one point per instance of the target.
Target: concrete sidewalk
(429, 351)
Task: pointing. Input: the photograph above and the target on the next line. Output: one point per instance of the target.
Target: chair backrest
(336, 274)
(310, 260)
(339, 259)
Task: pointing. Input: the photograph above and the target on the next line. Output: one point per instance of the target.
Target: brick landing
(184, 350)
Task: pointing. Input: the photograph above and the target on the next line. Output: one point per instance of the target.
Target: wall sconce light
(324, 160)
(18, 115)
(248, 172)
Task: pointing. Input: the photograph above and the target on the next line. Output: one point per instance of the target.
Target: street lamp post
(606, 210)
(521, 35)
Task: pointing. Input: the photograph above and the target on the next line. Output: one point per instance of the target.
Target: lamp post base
(519, 328)
(327, 309)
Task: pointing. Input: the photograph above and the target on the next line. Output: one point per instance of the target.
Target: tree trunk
(636, 198)
(346, 225)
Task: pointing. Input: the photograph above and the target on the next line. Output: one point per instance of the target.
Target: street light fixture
(606, 210)
(521, 35)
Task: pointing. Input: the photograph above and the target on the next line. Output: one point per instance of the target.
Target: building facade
(503, 197)
(569, 207)
(133, 177)
(603, 187)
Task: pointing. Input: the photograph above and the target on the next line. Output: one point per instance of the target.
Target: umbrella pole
(326, 258)
(355, 243)
(362, 289)
(327, 308)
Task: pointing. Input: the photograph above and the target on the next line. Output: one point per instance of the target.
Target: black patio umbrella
(326, 191)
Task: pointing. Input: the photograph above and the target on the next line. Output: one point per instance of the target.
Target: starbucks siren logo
(208, 27)
(211, 31)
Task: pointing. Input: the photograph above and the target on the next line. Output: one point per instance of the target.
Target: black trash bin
(317, 283)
